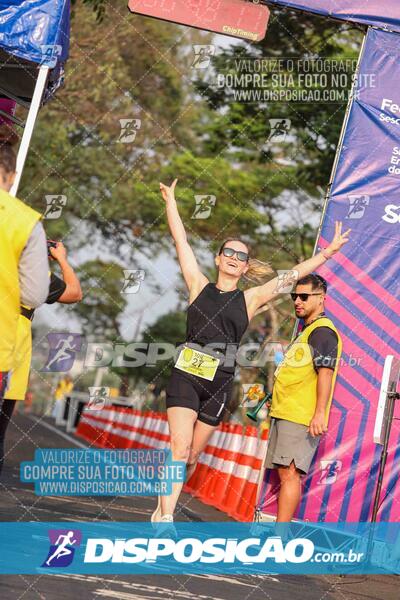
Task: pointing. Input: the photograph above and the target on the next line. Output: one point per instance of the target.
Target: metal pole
(29, 126)
(392, 395)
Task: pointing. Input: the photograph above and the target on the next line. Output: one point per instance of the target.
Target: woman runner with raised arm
(218, 314)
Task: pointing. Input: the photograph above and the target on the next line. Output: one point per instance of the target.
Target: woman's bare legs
(201, 436)
(189, 437)
(181, 425)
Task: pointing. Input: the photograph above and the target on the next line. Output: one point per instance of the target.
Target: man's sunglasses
(242, 256)
(303, 297)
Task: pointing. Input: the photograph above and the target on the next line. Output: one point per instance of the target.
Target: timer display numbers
(237, 18)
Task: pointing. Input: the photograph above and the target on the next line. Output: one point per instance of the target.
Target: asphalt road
(19, 503)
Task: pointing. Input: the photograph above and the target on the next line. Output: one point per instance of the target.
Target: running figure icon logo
(63, 543)
(253, 393)
(287, 278)
(357, 205)
(204, 205)
(63, 348)
(202, 55)
(50, 54)
(329, 471)
(98, 397)
(54, 206)
(133, 281)
(129, 129)
(279, 128)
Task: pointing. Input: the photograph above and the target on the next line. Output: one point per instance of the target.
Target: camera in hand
(50, 244)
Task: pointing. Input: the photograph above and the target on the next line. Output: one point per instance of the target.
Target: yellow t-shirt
(16, 223)
(21, 362)
(294, 395)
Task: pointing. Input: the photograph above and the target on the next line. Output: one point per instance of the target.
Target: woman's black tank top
(216, 317)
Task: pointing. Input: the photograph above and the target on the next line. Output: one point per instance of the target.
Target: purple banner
(363, 300)
(381, 13)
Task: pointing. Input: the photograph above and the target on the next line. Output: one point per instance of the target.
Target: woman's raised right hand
(168, 192)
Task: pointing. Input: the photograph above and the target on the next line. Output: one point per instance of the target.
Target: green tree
(290, 175)
(131, 67)
(103, 302)
(122, 68)
(168, 329)
(241, 128)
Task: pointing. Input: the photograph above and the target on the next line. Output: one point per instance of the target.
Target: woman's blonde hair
(258, 271)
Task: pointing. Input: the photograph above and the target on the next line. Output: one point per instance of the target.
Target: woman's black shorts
(207, 398)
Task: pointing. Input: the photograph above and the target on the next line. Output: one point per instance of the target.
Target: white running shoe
(167, 519)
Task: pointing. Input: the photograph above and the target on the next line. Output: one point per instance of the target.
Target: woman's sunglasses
(242, 256)
(303, 297)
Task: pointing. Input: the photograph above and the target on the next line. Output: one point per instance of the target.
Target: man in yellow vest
(65, 290)
(24, 267)
(302, 393)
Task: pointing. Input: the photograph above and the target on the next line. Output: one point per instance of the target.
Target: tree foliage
(103, 302)
(127, 67)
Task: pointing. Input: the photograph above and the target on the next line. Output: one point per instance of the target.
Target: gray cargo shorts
(290, 442)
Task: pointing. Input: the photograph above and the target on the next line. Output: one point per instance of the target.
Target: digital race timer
(237, 18)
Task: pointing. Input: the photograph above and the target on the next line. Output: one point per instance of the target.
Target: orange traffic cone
(204, 462)
(135, 427)
(242, 470)
(226, 467)
(206, 481)
(245, 508)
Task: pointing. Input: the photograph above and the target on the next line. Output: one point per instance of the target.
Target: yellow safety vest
(294, 396)
(16, 223)
(22, 359)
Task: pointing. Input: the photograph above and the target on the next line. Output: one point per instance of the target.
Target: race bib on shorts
(197, 363)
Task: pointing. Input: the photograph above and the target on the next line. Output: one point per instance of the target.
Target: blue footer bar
(212, 548)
